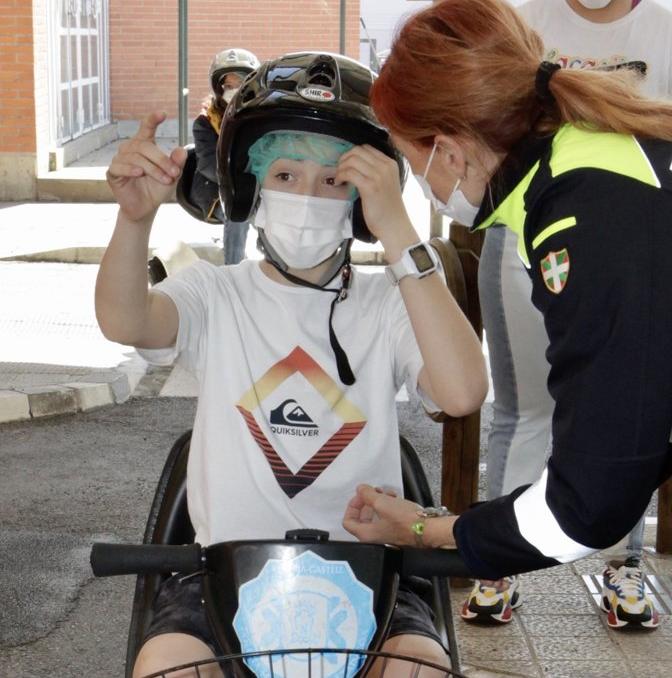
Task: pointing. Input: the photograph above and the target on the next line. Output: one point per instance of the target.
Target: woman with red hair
(577, 164)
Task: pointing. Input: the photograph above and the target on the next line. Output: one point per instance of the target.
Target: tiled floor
(560, 632)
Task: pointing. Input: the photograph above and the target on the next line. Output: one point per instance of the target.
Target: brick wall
(17, 83)
(144, 49)
(41, 83)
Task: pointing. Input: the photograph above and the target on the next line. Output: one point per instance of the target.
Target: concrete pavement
(54, 357)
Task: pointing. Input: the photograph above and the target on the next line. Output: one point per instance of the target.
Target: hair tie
(542, 79)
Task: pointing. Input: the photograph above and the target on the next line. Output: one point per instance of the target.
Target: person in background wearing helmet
(298, 356)
(577, 163)
(227, 71)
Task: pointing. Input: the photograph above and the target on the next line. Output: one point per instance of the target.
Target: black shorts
(178, 608)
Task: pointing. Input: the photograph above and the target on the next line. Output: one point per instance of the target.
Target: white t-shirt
(279, 442)
(644, 34)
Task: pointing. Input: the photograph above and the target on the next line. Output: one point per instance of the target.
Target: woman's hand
(383, 518)
(376, 177)
(375, 516)
(141, 175)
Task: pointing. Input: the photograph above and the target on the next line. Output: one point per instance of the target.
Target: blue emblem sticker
(305, 602)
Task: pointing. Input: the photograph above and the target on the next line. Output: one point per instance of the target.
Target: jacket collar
(513, 169)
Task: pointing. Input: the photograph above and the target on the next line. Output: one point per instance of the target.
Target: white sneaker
(624, 598)
(493, 602)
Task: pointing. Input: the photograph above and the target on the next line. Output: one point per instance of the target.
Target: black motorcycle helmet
(308, 92)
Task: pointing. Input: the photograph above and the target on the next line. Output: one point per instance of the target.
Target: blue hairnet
(321, 149)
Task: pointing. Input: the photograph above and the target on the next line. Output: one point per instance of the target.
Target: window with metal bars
(79, 93)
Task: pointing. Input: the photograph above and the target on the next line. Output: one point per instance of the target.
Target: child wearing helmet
(227, 71)
(298, 357)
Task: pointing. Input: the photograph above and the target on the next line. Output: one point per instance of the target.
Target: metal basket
(313, 663)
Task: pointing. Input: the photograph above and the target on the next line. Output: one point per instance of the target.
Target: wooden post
(664, 529)
(461, 436)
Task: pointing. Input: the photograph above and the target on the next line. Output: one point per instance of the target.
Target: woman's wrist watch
(418, 261)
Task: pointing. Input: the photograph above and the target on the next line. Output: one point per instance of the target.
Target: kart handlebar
(108, 560)
(434, 563)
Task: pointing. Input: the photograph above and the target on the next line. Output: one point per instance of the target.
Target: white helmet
(234, 60)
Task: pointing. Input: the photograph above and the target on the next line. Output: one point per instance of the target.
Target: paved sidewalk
(79, 232)
(560, 632)
(54, 358)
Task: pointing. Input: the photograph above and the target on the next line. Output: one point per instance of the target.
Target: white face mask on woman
(229, 94)
(594, 4)
(457, 206)
(303, 230)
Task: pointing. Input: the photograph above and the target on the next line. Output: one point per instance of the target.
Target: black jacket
(205, 189)
(593, 212)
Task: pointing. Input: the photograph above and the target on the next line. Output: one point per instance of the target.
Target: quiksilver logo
(316, 94)
(289, 418)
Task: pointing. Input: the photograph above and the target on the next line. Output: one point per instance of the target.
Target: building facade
(75, 74)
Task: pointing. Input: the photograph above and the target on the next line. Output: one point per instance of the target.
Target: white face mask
(304, 230)
(594, 4)
(229, 94)
(457, 206)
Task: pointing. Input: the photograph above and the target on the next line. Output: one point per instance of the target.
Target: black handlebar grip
(108, 560)
(434, 563)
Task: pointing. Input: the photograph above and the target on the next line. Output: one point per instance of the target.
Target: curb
(49, 401)
(89, 254)
(26, 403)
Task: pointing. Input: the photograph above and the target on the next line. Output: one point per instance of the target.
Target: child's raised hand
(141, 175)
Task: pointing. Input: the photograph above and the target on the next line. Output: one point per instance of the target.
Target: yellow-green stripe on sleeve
(554, 228)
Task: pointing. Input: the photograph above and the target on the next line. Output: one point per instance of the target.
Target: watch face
(421, 258)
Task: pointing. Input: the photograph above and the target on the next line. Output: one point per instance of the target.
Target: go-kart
(289, 608)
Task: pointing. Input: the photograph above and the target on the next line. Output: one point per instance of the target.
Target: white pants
(519, 440)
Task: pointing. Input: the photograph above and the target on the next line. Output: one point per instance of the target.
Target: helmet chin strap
(341, 257)
(341, 261)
